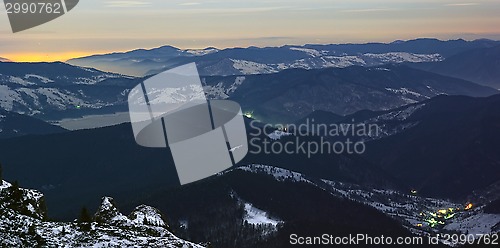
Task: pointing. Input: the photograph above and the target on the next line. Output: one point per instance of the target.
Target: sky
(102, 26)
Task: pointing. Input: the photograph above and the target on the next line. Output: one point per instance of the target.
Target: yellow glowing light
(468, 207)
(442, 211)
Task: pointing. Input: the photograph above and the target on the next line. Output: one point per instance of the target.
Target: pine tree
(16, 196)
(85, 219)
(84, 216)
(15, 185)
(43, 209)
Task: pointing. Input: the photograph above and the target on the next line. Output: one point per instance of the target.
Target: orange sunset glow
(96, 27)
(46, 57)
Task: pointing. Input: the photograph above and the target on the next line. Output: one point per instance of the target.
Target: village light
(468, 207)
(248, 115)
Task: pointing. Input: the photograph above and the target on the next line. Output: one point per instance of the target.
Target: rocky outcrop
(147, 215)
(23, 224)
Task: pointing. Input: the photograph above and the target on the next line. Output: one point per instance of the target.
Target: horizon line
(36, 57)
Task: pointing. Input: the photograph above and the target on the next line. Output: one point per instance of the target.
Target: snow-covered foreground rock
(23, 224)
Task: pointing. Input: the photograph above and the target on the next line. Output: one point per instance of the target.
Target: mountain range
(58, 90)
(295, 93)
(254, 60)
(54, 91)
(431, 167)
(481, 66)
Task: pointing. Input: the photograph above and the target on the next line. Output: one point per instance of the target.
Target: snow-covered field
(257, 216)
(479, 223)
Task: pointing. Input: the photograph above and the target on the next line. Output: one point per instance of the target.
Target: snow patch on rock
(146, 215)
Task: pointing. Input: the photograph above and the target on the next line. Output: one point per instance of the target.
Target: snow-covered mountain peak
(109, 213)
(147, 215)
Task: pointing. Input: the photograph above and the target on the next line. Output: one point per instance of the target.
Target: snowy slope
(52, 88)
(410, 209)
(479, 223)
(320, 59)
(257, 216)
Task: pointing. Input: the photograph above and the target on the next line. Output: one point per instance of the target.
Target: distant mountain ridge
(480, 66)
(253, 60)
(4, 60)
(292, 94)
